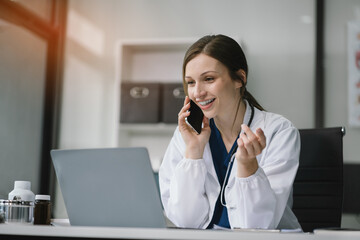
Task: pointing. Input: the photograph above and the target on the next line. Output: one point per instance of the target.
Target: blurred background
(63, 64)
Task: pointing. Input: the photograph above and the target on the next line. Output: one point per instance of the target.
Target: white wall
(338, 13)
(277, 36)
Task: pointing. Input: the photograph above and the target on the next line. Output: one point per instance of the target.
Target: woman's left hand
(250, 145)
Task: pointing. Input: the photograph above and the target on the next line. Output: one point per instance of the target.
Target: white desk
(16, 231)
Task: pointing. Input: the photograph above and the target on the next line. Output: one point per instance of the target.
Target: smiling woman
(241, 146)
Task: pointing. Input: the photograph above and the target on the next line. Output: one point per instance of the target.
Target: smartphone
(195, 118)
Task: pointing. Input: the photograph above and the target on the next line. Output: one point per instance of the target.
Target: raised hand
(250, 145)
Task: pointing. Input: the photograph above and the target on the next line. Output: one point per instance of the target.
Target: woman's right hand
(195, 143)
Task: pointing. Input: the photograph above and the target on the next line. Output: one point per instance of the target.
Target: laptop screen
(109, 187)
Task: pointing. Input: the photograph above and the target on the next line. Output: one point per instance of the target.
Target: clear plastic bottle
(22, 191)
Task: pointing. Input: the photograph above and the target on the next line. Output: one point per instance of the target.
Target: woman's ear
(242, 75)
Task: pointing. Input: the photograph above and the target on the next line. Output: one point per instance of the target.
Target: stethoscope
(230, 164)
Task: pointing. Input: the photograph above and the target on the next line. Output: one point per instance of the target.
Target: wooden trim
(15, 13)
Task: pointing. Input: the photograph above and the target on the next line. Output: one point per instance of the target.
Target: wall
(278, 37)
(337, 14)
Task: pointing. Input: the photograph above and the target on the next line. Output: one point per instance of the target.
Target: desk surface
(17, 231)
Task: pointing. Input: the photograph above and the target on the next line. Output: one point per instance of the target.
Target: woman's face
(211, 87)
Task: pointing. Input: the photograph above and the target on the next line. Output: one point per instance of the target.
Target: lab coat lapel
(209, 162)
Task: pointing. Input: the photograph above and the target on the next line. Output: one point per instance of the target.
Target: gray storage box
(140, 102)
(172, 101)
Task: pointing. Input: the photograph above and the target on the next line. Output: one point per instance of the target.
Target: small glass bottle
(42, 212)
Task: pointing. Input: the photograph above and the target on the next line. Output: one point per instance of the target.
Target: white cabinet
(148, 60)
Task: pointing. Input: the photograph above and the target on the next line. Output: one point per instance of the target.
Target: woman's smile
(206, 104)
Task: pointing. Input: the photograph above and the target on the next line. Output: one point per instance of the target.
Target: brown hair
(227, 51)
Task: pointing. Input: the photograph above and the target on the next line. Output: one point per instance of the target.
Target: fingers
(251, 144)
(248, 145)
(184, 111)
(187, 100)
(186, 106)
(241, 147)
(206, 122)
(261, 137)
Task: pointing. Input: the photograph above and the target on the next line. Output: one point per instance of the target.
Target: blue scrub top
(221, 158)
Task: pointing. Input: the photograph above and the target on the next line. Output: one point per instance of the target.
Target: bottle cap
(22, 185)
(42, 197)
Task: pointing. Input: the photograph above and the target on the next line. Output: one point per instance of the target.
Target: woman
(196, 190)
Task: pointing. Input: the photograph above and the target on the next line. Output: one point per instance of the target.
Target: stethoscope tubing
(229, 167)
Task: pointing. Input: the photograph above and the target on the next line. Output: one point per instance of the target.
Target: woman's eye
(209, 78)
(190, 82)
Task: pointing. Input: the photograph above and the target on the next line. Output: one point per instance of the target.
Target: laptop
(112, 187)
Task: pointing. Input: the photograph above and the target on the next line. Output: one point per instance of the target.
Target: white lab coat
(190, 188)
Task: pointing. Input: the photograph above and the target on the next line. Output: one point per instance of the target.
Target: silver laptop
(109, 187)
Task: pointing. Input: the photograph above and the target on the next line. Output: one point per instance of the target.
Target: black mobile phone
(195, 118)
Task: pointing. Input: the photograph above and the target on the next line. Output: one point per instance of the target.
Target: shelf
(148, 128)
(148, 61)
(151, 59)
